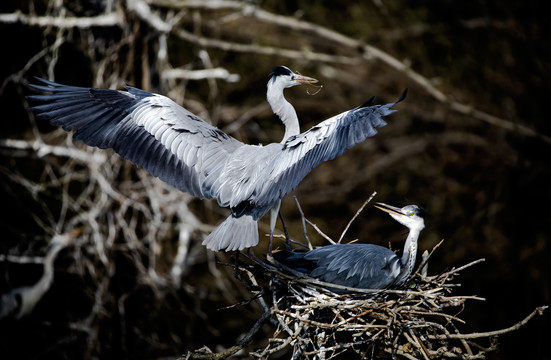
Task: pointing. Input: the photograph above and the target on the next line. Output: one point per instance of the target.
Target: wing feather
(148, 129)
(325, 141)
(365, 266)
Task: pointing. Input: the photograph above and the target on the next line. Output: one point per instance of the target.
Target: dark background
(481, 170)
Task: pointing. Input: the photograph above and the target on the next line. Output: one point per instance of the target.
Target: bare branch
(215, 73)
(477, 335)
(104, 20)
(265, 50)
(355, 216)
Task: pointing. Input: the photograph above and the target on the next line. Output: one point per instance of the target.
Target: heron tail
(235, 233)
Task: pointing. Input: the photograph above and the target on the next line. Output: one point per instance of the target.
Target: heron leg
(270, 243)
(253, 256)
(269, 255)
(288, 246)
(274, 211)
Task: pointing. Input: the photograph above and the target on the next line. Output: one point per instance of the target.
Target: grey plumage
(181, 149)
(364, 266)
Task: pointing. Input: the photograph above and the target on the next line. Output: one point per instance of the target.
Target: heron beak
(304, 79)
(389, 209)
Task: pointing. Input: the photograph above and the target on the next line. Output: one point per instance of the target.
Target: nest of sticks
(413, 323)
(420, 320)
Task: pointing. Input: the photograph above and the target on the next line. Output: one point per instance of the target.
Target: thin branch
(215, 73)
(266, 50)
(477, 335)
(355, 216)
(319, 231)
(426, 260)
(142, 9)
(41, 149)
(303, 219)
(461, 268)
(104, 20)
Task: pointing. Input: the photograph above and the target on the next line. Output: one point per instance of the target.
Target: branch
(356, 215)
(266, 50)
(461, 268)
(538, 311)
(105, 20)
(41, 149)
(216, 73)
(426, 260)
(142, 9)
(303, 218)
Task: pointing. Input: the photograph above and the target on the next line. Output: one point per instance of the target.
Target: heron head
(284, 77)
(411, 216)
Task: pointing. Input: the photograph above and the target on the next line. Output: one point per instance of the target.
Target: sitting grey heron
(181, 149)
(364, 266)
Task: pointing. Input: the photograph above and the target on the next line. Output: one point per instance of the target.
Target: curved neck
(409, 255)
(282, 108)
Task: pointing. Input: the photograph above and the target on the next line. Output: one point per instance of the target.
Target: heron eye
(410, 214)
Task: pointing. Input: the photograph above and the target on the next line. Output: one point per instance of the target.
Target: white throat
(282, 108)
(409, 255)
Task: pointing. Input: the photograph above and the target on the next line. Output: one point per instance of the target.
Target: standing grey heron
(181, 149)
(364, 266)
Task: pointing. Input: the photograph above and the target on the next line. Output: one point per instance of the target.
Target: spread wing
(150, 130)
(323, 142)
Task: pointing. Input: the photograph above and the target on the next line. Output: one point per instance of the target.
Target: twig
(40, 149)
(477, 335)
(425, 260)
(355, 216)
(104, 20)
(285, 231)
(266, 50)
(430, 313)
(461, 268)
(306, 221)
(318, 230)
(215, 73)
(303, 219)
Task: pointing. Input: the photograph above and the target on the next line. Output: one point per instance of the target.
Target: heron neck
(409, 254)
(286, 112)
